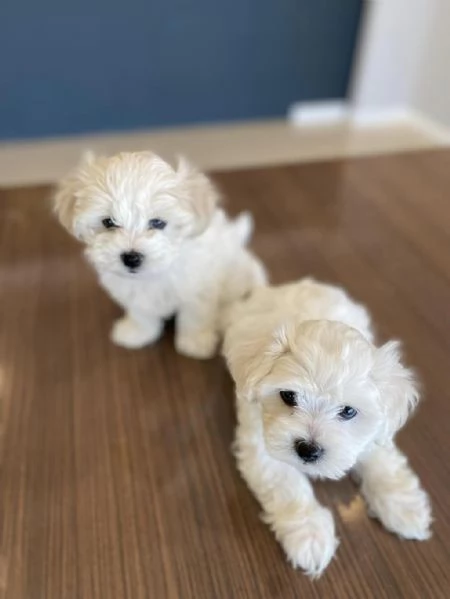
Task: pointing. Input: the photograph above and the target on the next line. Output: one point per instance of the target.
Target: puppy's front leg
(196, 334)
(304, 528)
(393, 493)
(134, 331)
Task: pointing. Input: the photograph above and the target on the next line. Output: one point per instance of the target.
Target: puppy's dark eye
(157, 223)
(289, 398)
(108, 223)
(347, 413)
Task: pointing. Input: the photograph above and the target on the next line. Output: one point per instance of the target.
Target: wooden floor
(117, 480)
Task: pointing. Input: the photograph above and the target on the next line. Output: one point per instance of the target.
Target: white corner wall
(403, 60)
(392, 41)
(432, 88)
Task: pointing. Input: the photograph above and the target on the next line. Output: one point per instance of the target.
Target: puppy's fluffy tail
(242, 228)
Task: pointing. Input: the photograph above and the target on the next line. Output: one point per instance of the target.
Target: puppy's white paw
(405, 512)
(310, 542)
(127, 333)
(200, 345)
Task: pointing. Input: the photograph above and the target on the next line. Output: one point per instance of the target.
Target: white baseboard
(318, 114)
(431, 127)
(320, 133)
(343, 114)
(379, 117)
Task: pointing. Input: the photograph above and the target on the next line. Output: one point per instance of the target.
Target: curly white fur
(192, 268)
(313, 340)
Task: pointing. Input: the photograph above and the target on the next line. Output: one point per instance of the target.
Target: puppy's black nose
(308, 451)
(132, 259)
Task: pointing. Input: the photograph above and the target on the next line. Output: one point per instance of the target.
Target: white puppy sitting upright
(316, 398)
(161, 246)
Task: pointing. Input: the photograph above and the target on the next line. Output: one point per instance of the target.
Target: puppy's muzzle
(308, 451)
(132, 260)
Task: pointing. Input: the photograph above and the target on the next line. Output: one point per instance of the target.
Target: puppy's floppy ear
(398, 388)
(201, 195)
(251, 361)
(65, 200)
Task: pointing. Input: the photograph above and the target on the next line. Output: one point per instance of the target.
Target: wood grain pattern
(117, 480)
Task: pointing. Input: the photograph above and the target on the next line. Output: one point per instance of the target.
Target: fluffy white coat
(187, 257)
(312, 345)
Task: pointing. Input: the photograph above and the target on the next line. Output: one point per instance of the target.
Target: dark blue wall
(170, 62)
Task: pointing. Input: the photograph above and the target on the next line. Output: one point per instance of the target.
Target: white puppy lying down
(161, 246)
(316, 398)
